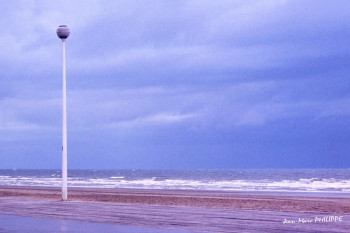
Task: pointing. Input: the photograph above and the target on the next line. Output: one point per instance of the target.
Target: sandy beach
(254, 201)
(195, 211)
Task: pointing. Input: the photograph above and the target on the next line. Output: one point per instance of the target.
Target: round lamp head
(63, 32)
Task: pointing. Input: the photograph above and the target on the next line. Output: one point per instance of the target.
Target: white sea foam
(309, 185)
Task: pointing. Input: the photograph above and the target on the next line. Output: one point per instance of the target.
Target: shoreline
(194, 198)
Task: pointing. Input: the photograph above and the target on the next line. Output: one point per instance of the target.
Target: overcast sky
(176, 84)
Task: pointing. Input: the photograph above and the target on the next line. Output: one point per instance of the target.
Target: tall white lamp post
(63, 33)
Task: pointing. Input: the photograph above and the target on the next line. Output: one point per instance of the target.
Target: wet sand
(197, 211)
(19, 224)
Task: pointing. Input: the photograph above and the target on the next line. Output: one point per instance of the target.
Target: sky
(176, 84)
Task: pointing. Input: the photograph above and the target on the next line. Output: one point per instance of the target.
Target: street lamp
(63, 33)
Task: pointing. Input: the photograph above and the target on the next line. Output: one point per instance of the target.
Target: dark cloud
(200, 83)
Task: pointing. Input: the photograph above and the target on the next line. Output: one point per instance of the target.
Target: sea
(313, 181)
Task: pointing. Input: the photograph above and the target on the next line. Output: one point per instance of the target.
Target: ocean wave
(307, 185)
